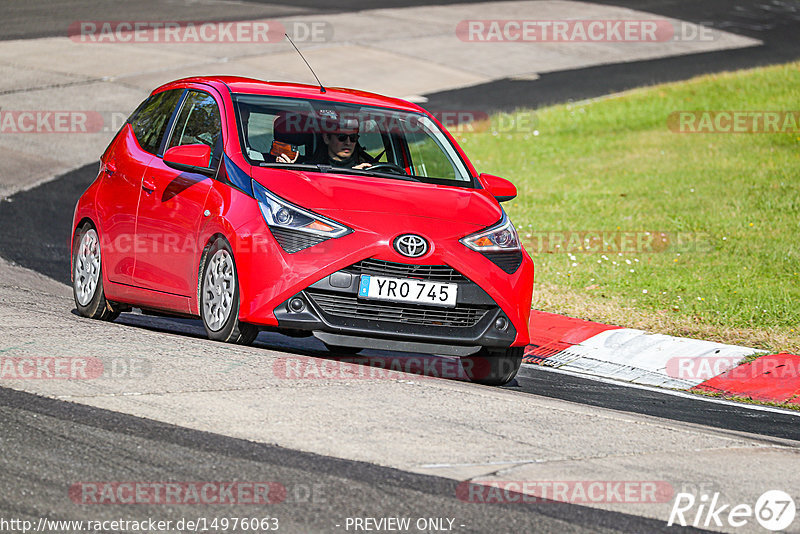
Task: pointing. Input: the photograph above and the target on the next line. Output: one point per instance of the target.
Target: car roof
(251, 86)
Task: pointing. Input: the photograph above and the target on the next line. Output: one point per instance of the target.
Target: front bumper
(332, 306)
(269, 277)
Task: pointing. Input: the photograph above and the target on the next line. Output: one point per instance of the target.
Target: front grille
(437, 273)
(351, 307)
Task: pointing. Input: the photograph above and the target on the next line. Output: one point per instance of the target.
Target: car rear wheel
(87, 276)
(219, 297)
(493, 367)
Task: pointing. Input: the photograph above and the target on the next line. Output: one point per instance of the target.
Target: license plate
(408, 290)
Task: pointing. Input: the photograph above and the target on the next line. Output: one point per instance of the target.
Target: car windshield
(317, 135)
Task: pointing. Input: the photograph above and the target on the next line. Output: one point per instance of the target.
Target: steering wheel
(391, 167)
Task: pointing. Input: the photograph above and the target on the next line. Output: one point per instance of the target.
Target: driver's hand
(363, 166)
(283, 158)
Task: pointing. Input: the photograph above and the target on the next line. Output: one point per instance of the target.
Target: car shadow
(300, 363)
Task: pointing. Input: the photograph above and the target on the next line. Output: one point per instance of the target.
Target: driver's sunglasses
(342, 137)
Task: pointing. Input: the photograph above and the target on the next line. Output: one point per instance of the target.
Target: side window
(199, 123)
(259, 131)
(373, 141)
(149, 122)
(427, 158)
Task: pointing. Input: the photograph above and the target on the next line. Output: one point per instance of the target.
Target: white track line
(676, 393)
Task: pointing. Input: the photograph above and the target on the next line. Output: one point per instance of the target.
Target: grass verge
(720, 211)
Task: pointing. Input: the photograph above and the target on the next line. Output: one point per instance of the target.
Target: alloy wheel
(218, 290)
(87, 267)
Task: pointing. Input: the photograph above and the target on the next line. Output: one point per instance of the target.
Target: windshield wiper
(406, 177)
(322, 167)
(303, 166)
(330, 169)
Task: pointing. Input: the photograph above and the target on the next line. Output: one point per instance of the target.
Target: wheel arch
(80, 224)
(201, 264)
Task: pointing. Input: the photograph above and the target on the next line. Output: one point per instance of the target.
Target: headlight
(502, 237)
(279, 213)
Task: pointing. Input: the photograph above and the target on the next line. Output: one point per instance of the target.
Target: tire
(219, 297)
(87, 276)
(493, 367)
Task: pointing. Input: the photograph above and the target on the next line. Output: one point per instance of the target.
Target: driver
(339, 148)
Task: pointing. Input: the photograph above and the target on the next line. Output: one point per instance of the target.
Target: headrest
(293, 128)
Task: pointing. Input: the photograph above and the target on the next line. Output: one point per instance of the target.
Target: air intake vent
(353, 308)
(293, 241)
(437, 273)
(508, 261)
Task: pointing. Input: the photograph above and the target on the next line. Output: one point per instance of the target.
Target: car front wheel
(219, 297)
(87, 276)
(493, 367)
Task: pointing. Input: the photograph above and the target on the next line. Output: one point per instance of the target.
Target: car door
(172, 202)
(123, 169)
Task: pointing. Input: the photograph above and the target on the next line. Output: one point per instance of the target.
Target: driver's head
(340, 135)
(342, 143)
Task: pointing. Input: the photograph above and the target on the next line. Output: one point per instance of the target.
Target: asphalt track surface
(48, 18)
(775, 22)
(53, 443)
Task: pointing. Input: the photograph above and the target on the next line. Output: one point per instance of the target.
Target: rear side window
(199, 123)
(150, 121)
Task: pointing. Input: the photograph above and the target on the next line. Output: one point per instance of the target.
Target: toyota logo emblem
(411, 245)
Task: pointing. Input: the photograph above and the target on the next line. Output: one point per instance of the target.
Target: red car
(341, 214)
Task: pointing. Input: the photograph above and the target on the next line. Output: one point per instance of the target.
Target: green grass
(613, 164)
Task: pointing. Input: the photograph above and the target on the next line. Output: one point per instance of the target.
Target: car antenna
(321, 87)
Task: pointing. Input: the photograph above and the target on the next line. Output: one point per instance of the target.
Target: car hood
(336, 193)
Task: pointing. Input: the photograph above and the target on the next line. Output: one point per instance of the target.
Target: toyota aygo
(346, 215)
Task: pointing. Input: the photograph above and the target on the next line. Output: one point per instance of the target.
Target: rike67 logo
(774, 510)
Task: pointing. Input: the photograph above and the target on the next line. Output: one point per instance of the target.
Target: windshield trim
(472, 183)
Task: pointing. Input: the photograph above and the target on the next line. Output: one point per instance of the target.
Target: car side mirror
(190, 158)
(500, 188)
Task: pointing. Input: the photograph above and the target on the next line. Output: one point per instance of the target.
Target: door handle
(111, 168)
(148, 186)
